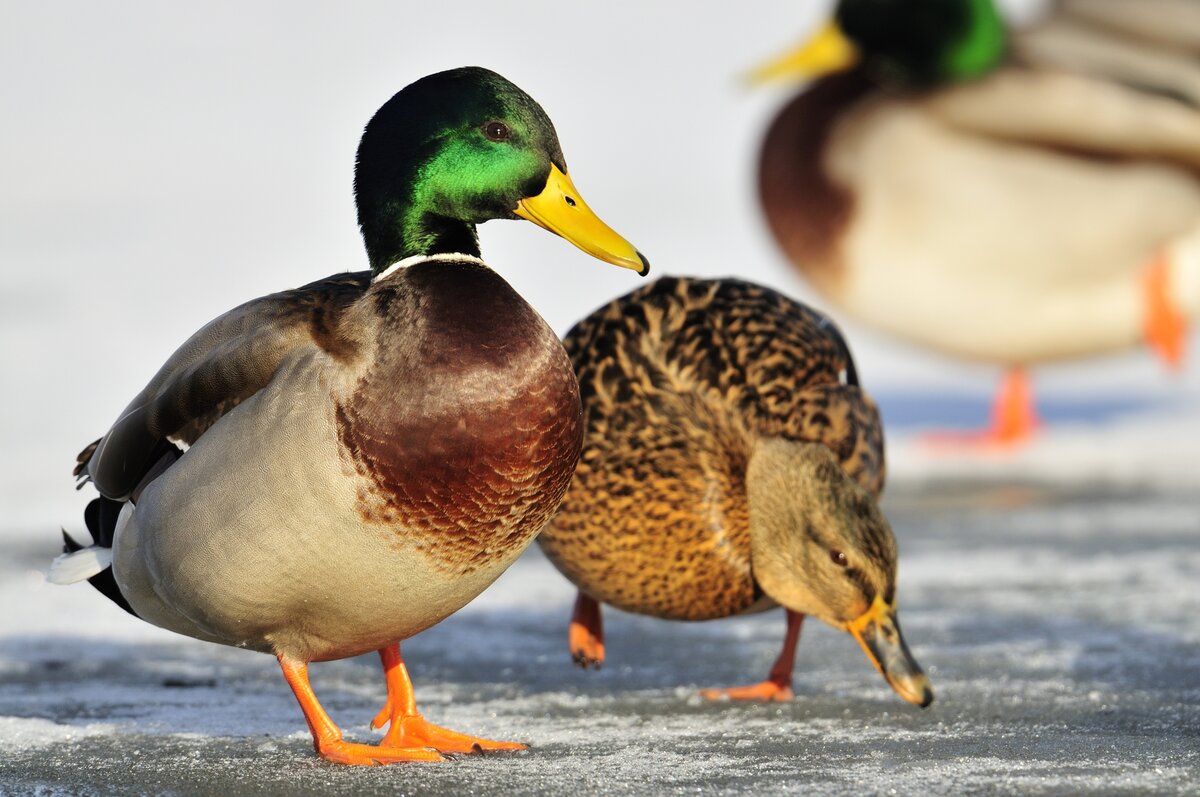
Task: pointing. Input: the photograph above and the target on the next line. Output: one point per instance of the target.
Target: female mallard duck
(731, 462)
(1010, 199)
(368, 452)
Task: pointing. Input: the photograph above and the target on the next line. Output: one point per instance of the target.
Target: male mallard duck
(1013, 199)
(731, 462)
(368, 452)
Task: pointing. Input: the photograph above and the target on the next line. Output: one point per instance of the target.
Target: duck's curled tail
(102, 516)
(93, 562)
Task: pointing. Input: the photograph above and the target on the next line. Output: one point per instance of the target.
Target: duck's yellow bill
(827, 51)
(878, 631)
(561, 210)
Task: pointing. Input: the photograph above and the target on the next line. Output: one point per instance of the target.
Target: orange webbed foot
(778, 686)
(586, 650)
(327, 738)
(408, 729)
(585, 638)
(1165, 326)
(368, 755)
(413, 730)
(764, 692)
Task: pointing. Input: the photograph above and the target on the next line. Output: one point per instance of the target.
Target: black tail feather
(101, 519)
(69, 544)
(102, 513)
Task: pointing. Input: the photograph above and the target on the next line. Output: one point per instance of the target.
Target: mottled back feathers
(678, 381)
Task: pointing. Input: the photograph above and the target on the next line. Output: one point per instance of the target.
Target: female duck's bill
(878, 631)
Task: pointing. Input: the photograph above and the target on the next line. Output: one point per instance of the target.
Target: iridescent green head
(924, 41)
(456, 149)
(907, 42)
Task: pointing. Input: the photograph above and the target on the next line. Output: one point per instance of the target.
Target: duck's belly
(258, 538)
(687, 574)
(1038, 255)
(662, 547)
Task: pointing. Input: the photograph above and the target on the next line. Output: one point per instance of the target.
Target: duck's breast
(467, 430)
(347, 506)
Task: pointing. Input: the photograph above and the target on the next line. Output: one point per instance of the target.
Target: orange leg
(586, 635)
(1014, 418)
(327, 738)
(778, 686)
(1165, 326)
(410, 729)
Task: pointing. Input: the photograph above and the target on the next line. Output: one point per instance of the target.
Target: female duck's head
(820, 546)
(908, 42)
(456, 149)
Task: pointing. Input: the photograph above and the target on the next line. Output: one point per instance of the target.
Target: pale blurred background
(161, 163)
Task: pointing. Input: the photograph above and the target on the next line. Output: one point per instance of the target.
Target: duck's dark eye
(838, 558)
(496, 131)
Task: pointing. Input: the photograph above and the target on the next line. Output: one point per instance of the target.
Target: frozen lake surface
(1058, 624)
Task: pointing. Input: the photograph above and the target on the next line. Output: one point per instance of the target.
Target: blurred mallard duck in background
(1014, 198)
(731, 463)
(368, 452)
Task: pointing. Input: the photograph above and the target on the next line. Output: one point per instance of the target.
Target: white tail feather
(79, 565)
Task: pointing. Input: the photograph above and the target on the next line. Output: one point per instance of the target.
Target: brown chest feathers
(467, 427)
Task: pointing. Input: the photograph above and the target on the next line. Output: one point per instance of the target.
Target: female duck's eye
(496, 131)
(838, 558)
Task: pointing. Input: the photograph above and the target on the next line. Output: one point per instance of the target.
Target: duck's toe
(414, 730)
(586, 651)
(764, 692)
(368, 755)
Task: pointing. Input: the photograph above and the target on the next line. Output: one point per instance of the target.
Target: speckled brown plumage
(472, 478)
(678, 379)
